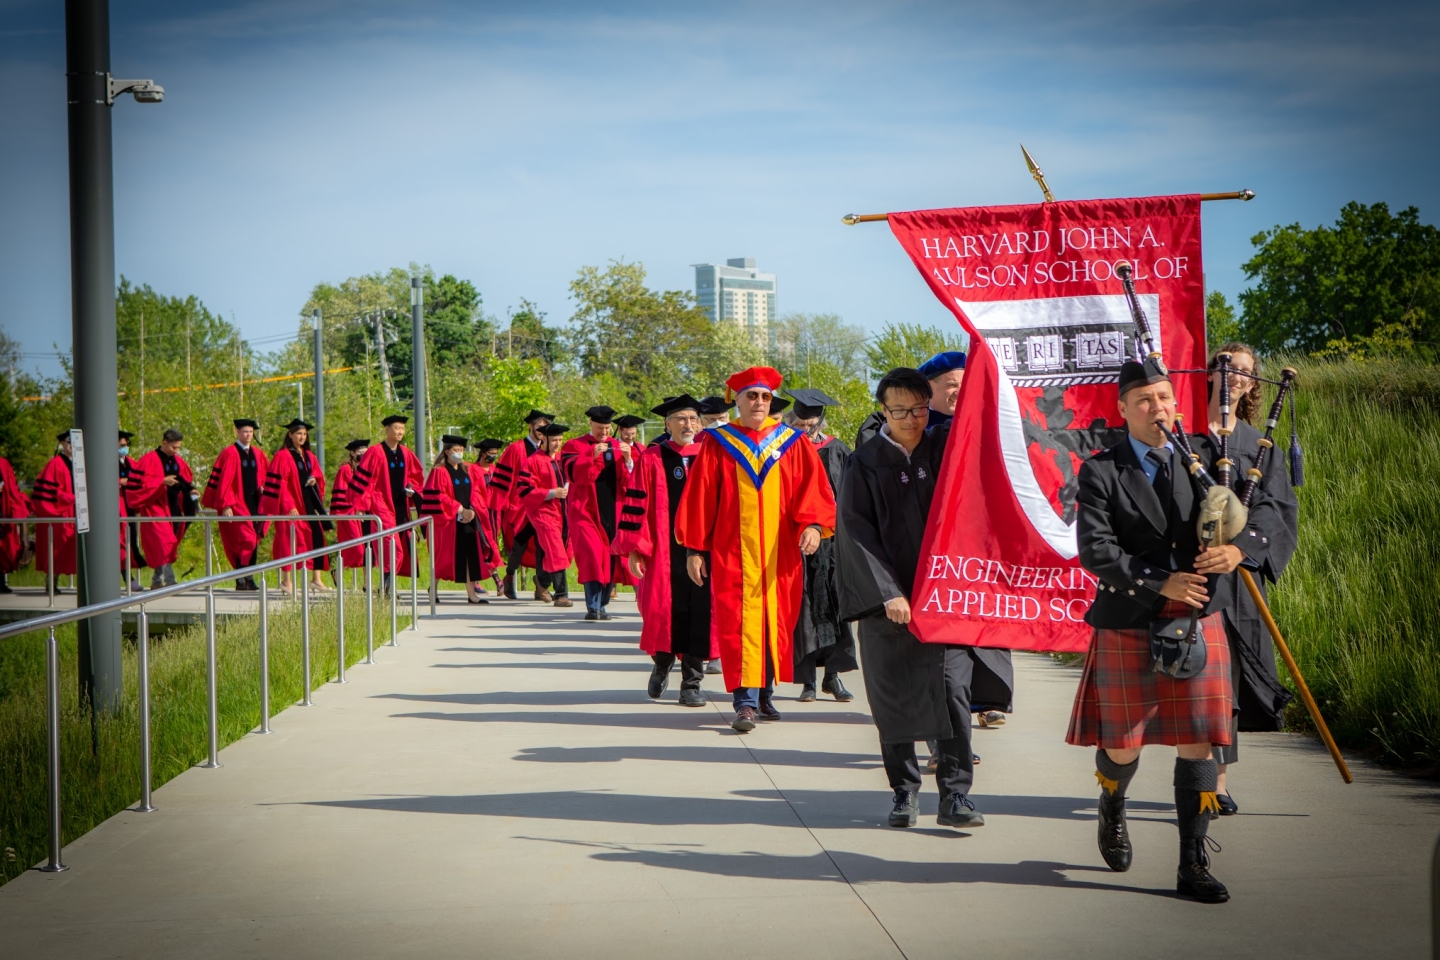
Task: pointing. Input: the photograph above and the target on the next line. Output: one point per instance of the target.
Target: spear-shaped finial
(1038, 174)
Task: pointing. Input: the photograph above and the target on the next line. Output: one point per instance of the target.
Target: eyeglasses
(906, 413)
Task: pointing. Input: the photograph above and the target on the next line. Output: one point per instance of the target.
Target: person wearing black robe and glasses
(917, 691)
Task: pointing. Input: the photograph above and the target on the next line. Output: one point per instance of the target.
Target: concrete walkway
(499, 786)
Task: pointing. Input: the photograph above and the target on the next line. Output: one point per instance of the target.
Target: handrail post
(264, 654)
(212, 693)
(340, 615)
(129, 549)
(394, 587)
(142, 648)
(52, 709)
(369, 609)
(299, 571)
(430, 540)
(209, 549)
(50, 564)
(414, 583)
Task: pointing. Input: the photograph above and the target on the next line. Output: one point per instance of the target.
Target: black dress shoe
(692, 698)
(591, 615)
(477, 600)
(1193, 878)
(1228, 807)
(956, 810)
(604, 615)
(659, 680)
(906, 809)
(767, 710)
(509, 589)
(807, 693)
(744, 720)
(836, 689)
(1113, 836)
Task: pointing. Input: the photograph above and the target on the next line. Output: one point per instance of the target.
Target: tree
(1343, 284)
(909, 345)
(1221, 327)
(527, 336)
(801, 340)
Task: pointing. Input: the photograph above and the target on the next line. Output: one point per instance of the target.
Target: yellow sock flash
(1209, 803)
(1112, 785)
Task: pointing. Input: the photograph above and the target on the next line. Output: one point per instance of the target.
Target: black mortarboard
(62, 435)
(777, 404)
(600, 414)
(297, 423)
(489, 444)
(809, 402)
(356, 444)
(126, 434)
(629, 420)
(450, 440)
(674, 404)
(245, 422)
(534, 415)
(554, 430)
(1133, 373)
(394, 418)
(713, 406)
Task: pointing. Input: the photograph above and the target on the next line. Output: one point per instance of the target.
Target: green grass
(102, 777)
(1360, 602)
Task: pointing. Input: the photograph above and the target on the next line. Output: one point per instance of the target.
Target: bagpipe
(1223, 513)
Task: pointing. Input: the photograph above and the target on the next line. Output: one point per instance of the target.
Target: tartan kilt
(1123, 703)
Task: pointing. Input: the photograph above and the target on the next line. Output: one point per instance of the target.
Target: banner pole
(850, 219)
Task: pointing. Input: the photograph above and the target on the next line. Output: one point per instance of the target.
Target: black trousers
(955, 772)
(467, 554)
(692, 668)
(517, 552)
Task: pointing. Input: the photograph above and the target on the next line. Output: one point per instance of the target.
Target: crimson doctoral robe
(285, 493)
(748, 497)
(440, 501)
(379, 487)
(228, 489)
(596, 482)
(354, 557)
(13, 504)
(538, 476)
(148, 496)
(503, 481)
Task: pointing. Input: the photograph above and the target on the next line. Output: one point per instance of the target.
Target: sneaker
(906, 809)
(744, 720)
(956, 810)
(712, 667)
(564, 602)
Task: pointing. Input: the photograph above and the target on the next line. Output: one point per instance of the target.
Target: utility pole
(317, 443)
(90, 92)
(380, 348)
(417, 368)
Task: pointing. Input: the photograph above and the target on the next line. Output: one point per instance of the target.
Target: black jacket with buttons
(1127, 541)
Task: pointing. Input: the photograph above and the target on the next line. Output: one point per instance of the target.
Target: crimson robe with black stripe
(285, 494)
(148, 496)
(370, 493)
(226, 491)
(348, 529)
(54, 496)
(438, 500)
(539, 475)
(503, 481)
(13, 503)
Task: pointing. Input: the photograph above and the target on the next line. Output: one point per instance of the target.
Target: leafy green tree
(1221, 327)
(1343, 284)
(909, 345)
(526, 337)
(801, 340)
(28, 427)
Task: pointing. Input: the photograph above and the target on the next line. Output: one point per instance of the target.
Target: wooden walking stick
(1294, 668)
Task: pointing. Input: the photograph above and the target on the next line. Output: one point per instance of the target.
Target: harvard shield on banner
(1035, 287)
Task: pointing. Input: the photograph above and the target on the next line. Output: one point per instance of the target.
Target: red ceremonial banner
(1035, 287)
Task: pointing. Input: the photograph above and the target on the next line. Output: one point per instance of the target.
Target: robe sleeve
(699, 503)
(363, 482)
(634, 528)
(217, 489)
(340, 493)
(146, 484)
(528, 493)
(506, 474)
(12, 501)
(865, 574)
(54, 493)
(278, 496)
(438, 497)
(1273, 529)
(815, 502)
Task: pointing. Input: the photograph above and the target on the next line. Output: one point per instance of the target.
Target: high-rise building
(737, 292)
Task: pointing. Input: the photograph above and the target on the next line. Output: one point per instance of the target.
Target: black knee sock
(1114, 777)
(1194, 802)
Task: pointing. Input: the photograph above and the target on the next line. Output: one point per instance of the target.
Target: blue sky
(511, 144)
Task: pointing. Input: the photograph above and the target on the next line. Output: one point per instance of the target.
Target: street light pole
(417, 367)
(92, 301)
(319, 442)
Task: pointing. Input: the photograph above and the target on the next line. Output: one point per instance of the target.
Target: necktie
(1163, 483)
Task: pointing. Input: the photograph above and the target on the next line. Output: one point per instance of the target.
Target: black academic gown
(871, 425)
(883, 507)
(819, 631)
(1269, 542)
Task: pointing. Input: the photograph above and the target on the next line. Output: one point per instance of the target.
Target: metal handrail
(296, 560)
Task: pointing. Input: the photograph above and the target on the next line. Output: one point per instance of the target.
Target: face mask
(456, 456)
(125, 451)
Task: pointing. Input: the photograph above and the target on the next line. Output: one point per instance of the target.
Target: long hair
(1247, 404)
(289, 442)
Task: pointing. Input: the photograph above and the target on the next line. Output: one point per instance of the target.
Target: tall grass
(1360, 602)
(100, 764)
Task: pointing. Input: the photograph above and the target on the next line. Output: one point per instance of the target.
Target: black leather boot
(1113, 836)
(1194, 802)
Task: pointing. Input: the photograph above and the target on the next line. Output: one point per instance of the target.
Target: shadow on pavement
(634, 667)
(773, 758)
(544, 649)
(667, 715)
(533, 697)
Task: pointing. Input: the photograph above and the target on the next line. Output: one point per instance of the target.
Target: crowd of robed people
(754, 540)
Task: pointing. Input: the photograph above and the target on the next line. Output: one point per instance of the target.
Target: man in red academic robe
(161, 485)
(387, 480)
(463, 550)
(354, 557)
(14, 505)
(54, 496)
(674, 610)
(541, 491)
(590, 465)
(757, 499)
(295, 487)
(519, 535)
(236, 482)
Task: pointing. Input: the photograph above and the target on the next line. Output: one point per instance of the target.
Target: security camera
(144, 91)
